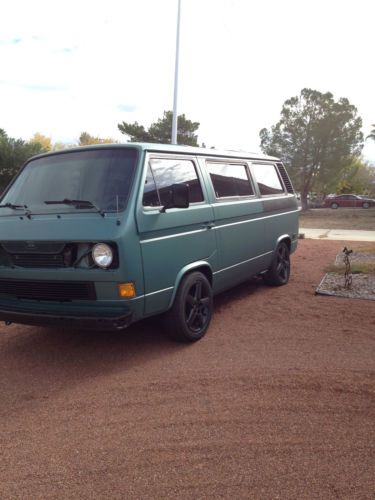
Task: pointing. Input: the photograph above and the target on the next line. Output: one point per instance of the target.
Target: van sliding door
(238, 223)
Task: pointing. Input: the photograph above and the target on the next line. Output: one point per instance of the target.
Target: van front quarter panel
(176, 238)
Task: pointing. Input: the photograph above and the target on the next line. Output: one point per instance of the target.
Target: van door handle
(208, 225)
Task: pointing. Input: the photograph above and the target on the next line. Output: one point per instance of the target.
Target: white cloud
(239, 61)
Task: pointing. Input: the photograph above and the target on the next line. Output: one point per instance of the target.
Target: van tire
(190, 315)
(279, 272)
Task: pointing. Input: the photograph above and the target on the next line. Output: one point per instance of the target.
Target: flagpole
(174, 119)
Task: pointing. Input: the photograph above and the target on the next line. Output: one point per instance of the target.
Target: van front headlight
(102, 255)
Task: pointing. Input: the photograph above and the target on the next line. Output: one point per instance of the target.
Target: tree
(60, 146)
(86, 139)
(43, 140)
(160, 131)
(13, 153)
(358, 178)
(316, 137)
(372, 133)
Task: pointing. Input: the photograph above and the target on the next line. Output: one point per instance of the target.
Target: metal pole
(174, 119)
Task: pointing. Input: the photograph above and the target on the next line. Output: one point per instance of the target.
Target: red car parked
(348, 200)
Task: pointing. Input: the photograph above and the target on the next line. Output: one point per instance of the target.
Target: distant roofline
(164, 148)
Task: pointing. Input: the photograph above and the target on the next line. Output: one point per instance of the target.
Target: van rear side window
(229, 179)
(267, 178)
(162, 173)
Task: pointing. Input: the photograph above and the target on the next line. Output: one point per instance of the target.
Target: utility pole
(174, 119)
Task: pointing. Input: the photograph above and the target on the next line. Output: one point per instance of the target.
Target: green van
(102, 236)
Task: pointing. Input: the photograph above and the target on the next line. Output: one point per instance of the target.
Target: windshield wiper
(75, 203)
(17, 207)
(13, 207)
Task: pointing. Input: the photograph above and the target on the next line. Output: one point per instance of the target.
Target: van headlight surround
(102, 255)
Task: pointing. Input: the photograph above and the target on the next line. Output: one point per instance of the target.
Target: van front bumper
(109, 321)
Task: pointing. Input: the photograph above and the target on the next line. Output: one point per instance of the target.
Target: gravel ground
(362, 286)
(277, 401)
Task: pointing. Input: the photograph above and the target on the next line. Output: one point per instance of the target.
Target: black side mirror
(178, 197)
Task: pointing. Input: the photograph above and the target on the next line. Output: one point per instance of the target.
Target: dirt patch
(342, 218)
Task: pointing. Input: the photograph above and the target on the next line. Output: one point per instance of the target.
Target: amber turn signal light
(126, 290)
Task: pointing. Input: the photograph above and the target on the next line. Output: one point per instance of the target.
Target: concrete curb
(337, 234)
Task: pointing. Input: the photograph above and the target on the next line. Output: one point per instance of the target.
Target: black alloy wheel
(197, 307)
(279, 272)
(191, 313)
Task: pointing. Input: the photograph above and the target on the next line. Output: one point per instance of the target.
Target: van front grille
(46, 247)
(38, 260)
(61, 291)
(37, 254)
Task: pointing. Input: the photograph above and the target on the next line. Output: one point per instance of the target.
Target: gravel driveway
(277, 401)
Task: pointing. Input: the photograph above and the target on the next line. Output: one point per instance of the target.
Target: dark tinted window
(101, 176)
(150, 193)
(164, 172)
(229, 179)
(267, 178)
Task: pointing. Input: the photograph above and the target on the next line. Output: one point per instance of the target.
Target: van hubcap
(197, 307)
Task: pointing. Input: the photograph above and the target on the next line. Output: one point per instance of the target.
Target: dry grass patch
(356, 268)
(342, 218)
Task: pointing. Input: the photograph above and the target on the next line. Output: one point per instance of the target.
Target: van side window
(162, 173)
(229, 179)
(267, 179)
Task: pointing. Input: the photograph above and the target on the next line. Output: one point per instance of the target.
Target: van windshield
(101, 179)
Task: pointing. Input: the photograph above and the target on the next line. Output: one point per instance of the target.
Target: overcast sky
(73, 66)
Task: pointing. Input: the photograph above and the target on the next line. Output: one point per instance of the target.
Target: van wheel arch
(206, 270)
(285, 239)
(201, 267)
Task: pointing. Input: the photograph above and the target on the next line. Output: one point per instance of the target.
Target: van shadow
(229, 298)
(38, 363)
